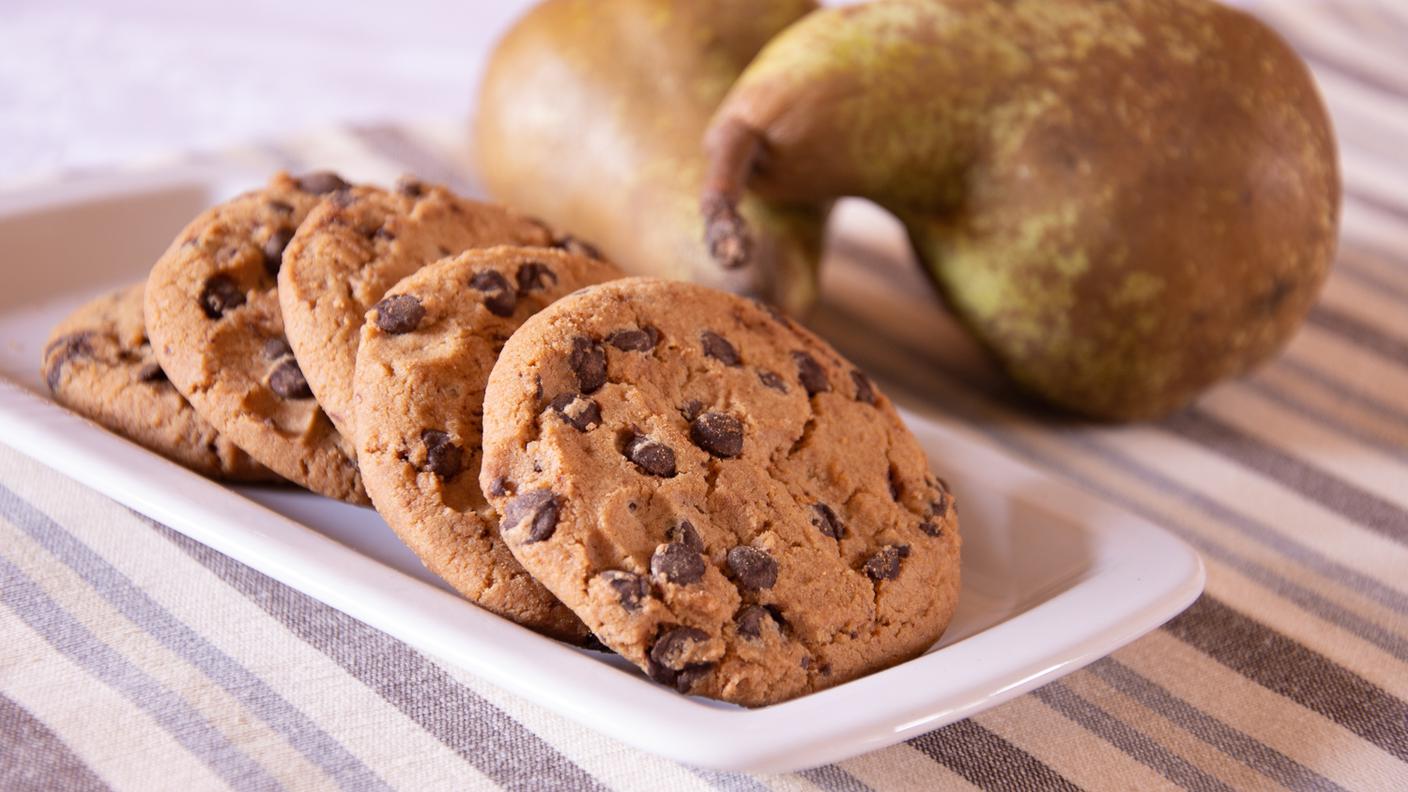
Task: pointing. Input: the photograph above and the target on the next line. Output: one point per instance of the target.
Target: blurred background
(88, 83)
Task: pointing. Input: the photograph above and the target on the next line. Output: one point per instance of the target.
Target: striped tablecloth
(134, 658)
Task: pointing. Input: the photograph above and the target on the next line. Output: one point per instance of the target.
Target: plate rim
(783, 737)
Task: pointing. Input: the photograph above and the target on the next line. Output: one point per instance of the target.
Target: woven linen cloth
(134, 658)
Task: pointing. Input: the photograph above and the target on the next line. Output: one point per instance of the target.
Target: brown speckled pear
(590, 117)
(1125, 202)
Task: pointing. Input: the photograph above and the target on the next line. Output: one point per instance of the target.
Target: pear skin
(590, 116)
(1124, 202)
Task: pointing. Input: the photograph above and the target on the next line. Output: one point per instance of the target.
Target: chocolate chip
(677, 563)
(772, 381)
(442, 457)
(651, 456)
(642, 340)
(320, 182)
(588, 362)
(751, 618)
(385, 234)
(535, 276)
(399, 314)
(499, 486)
(806, 663)
(811, 374)
(827, 522)
(776, 614)
(939, 507)
(410, 187)
(579, 411)
(499, 297)
(885, 564)
(593, 644)
(691, 409)
(684, 533)
(679, 680)
(62, 351)
(671, 648)
(631, 589)
(288, 382)
(276, 348)
(691, 674)
(773, 311)
(65, 341)
(280, 207)
(865, 392)
(718, 348)
(151, 373)
(718, 433)
(753, 568)
(539, 508)
(577, 247)
(220, 294)
(274, 249)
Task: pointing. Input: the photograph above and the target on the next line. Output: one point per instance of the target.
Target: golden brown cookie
(425, 354)
(99, 364)
(351, 250)
(719, 495)
(212, 311)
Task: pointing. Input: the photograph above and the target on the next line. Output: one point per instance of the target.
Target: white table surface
(85, 85)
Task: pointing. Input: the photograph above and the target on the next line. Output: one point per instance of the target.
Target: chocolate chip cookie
(212, 311)
(425, 355)
(352, 249)
(718, 494)
(99, 364)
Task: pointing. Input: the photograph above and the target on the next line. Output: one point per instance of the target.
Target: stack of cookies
(684, 476)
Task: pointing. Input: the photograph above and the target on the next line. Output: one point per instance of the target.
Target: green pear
(590, 117)
(1124, 202)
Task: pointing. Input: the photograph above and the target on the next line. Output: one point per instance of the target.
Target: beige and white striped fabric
(134, 658)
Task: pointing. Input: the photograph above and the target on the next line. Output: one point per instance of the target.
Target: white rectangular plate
(1052, 578)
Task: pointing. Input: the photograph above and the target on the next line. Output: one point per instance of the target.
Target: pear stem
(733, 149)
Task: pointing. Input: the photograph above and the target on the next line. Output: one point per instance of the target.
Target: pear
(1124, 202)
(590, 116)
